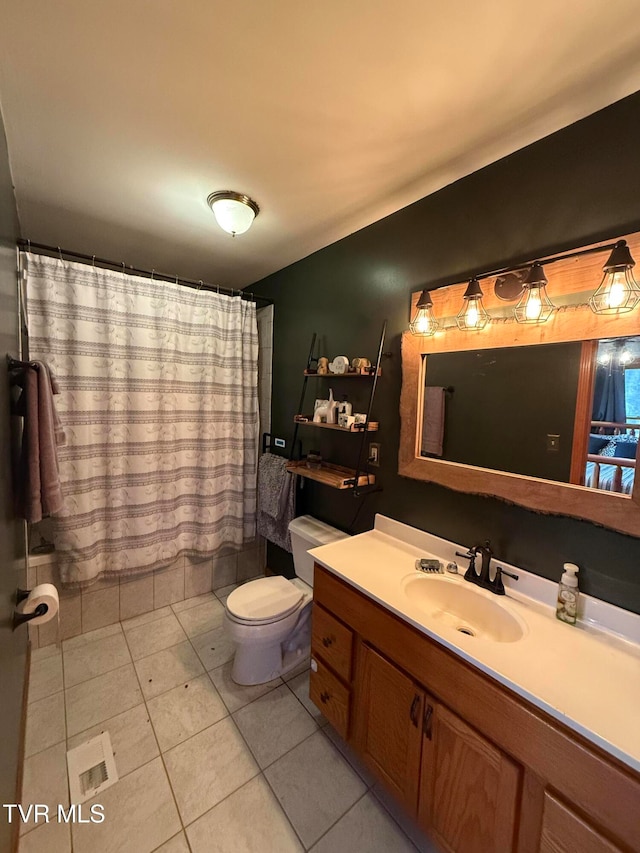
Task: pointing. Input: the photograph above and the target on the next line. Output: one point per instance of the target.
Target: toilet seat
(263, 601)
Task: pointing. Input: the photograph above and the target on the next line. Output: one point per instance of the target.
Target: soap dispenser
(567, 606)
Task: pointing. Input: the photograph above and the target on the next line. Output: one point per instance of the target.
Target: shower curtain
(159, 404)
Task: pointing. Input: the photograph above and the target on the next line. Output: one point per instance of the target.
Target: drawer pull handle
(426, 723)
(413, 713)
(325, 696)
(328, 641)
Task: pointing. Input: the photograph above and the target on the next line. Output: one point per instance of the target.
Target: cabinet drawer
(332, 641)
(331, 696)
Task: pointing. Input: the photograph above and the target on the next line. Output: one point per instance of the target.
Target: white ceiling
(122, 116)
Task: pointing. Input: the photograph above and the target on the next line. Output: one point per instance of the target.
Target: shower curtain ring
(123, 267)
(28, 245)
(60, 253)
(200, 283)
(93, 261)
(152, 274)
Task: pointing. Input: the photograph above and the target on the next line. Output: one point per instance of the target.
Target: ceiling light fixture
(534, 305)
(473, 315)
(234, 212)
(424, 323)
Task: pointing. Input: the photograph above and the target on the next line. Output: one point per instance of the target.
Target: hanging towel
(433, 421)
(38, 491)
(276, 499)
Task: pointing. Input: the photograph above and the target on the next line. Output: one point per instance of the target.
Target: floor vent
(92, 768)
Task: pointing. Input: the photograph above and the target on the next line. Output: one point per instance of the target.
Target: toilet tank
(306, 533)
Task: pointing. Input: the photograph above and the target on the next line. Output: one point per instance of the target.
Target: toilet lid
(264, 599)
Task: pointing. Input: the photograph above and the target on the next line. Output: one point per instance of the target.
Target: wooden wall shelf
(365, 375)
(372, 426)
(334, 476)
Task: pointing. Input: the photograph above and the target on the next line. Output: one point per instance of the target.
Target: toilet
(269, 618)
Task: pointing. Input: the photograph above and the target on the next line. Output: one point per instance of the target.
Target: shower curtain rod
(42, 248)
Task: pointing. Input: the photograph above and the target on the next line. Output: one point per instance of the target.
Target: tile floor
(204, 765)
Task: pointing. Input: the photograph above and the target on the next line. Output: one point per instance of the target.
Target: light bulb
(617, 289)
(534, 305)
(424, 323)
(618, 292)
(472, 315)
(625, 357)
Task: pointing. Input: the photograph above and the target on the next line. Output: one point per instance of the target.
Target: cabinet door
(388, 719)
(563, 831)
(469, 789)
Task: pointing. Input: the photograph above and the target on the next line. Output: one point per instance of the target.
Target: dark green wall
(576, 186)
(12, 646)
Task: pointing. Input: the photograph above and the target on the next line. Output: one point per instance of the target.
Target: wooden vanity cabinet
(387, 721)
(469, 789)
(482, 770)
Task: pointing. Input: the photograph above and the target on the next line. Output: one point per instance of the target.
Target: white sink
(464, 608)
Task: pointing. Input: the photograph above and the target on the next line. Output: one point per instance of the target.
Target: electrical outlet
(553, 443)
(374, 454)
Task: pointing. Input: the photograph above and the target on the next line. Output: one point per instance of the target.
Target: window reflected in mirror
(615, 424)
(566, 412)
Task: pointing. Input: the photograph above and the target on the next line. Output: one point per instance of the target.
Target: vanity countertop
(587, 679)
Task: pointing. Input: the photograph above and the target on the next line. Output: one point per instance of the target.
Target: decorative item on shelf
(473, 315)
(360, 364)
(424, 323)
(323, 366)
(234, 212)
(618, 292)
(314, 460)
(325, 411)
(344, 406)
(332, 415)
(534, 305)
(359, 418)
(339, 365)
(346, 421)
(320, 409)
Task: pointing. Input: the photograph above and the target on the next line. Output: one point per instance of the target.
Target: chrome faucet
(482, 578)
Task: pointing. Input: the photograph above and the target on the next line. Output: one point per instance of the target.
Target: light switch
(553, 442)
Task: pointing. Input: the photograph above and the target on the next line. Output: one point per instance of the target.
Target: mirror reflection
(613, 434)
(517, 409)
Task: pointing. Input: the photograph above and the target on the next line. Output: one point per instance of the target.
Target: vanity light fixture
(424, 323)
(234, 212)
(534, 305)
(473, 315)
(618, 292)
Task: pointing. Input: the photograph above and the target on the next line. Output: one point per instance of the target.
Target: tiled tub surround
(198, 757)
(109, 601)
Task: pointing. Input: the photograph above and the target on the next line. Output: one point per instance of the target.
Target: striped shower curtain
(159, 404)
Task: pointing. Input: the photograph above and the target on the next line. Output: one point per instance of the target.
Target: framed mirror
(542, 415)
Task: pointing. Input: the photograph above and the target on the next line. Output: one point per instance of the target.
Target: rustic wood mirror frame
(570, 280)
